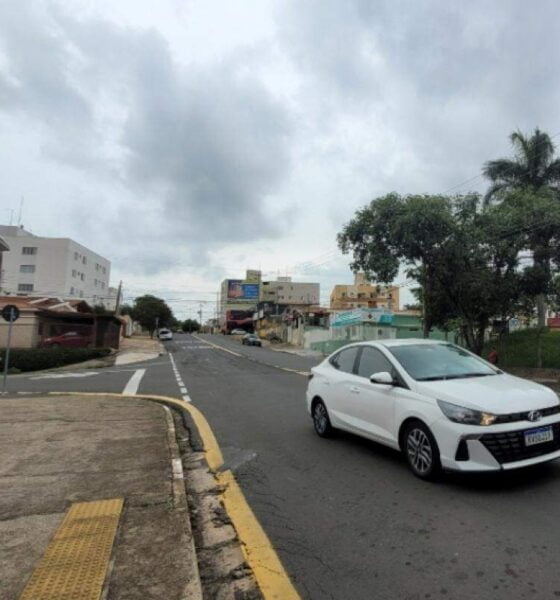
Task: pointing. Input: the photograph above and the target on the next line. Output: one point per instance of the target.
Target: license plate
(538, 436)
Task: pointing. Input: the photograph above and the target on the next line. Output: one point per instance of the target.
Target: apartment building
(363, 294)
(286, 291)
(36, 265)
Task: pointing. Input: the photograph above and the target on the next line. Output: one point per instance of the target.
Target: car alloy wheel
(321, 420)
(421, 451)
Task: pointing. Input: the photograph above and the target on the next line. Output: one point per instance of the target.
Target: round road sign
(10, 312)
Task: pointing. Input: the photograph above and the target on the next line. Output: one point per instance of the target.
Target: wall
(25, 331)
(315, 334)
(290, 292)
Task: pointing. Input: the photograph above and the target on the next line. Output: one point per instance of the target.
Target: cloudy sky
(187, 140)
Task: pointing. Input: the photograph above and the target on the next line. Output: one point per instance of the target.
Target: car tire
(321, 420)
(421, 451)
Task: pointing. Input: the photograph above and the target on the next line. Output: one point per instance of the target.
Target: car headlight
(467, 416)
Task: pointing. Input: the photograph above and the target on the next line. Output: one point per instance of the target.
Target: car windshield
(432, 362)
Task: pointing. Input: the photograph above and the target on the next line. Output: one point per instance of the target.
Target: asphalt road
(347, 518)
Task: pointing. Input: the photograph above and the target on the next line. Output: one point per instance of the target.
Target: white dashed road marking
(178, 378)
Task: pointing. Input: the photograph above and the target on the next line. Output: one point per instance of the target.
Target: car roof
(393, 343)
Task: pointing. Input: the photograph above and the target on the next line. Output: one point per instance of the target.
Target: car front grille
(509, 446)
(524, 416)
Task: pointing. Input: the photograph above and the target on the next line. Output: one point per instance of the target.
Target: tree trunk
(426, 325)
(539, 348)
(541, 310)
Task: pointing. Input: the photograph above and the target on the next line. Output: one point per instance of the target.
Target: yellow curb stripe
(274, 582)
(76, 561)
(304, 373)
(214, 456)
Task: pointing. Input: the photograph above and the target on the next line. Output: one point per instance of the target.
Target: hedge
(520, 349)
(36, 359)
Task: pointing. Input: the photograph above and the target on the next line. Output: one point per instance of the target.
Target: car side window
(345, 359)
(372, 361)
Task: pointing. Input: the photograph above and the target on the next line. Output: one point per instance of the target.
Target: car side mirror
(383, 377)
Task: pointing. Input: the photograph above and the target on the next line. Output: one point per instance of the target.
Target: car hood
(499, 394)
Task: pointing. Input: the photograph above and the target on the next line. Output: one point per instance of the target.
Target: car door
(340, 382)
(374, 404)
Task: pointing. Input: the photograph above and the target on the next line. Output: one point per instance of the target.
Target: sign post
(10, 313)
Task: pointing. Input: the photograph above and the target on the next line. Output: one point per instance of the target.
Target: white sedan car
(165, 334)
(442, 406)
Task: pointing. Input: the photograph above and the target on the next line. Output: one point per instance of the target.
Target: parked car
(70, 339)
(238, 332)
(251, 340)
(165, 334)
(440, 405)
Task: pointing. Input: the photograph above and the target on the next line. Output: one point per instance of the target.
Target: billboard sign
(237, 290)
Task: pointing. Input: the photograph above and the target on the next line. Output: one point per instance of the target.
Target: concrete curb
(193, 590)
(272, 579)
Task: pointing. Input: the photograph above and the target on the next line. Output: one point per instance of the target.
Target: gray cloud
(203, 149)
(448, 81)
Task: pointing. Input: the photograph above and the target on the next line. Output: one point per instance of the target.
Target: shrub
(36, 359)
(520, 349)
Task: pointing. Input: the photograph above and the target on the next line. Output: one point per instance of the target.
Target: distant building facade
(36, 265)
(241, 299)
(363, 294)
(293, 293)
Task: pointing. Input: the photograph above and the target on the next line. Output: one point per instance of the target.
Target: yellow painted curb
(274, 582)
(214, 456)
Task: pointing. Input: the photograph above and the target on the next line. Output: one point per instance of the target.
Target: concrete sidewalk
(58, 451)
(138, 349)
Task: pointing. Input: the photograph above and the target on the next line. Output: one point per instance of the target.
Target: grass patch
(37, 359)
(520, 349)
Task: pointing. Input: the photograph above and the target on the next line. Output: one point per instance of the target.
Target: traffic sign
(10, 313)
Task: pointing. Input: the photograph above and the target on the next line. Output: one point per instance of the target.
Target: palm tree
(535, 168)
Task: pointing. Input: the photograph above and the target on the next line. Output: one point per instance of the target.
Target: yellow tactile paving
(75, 563)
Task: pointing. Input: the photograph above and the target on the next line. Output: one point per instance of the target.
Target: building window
(104, 270)
(71, 291)
(81, 294)
(29, 250)
(76, 255)
(95, 282)
(82, 276)
(84, 260)
(27, 268)
(73, 272)
(25, 287)
(102, 286)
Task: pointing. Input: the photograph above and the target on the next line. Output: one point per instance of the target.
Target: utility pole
(118, 300)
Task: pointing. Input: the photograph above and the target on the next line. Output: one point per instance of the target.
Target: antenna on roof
(20, 212)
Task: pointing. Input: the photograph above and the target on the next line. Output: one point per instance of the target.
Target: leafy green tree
(190, 326)
(533, 169)
(151, 312)
(459, 250)
(125, 309)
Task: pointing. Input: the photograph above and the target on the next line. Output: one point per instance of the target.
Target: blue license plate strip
(540, 435)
